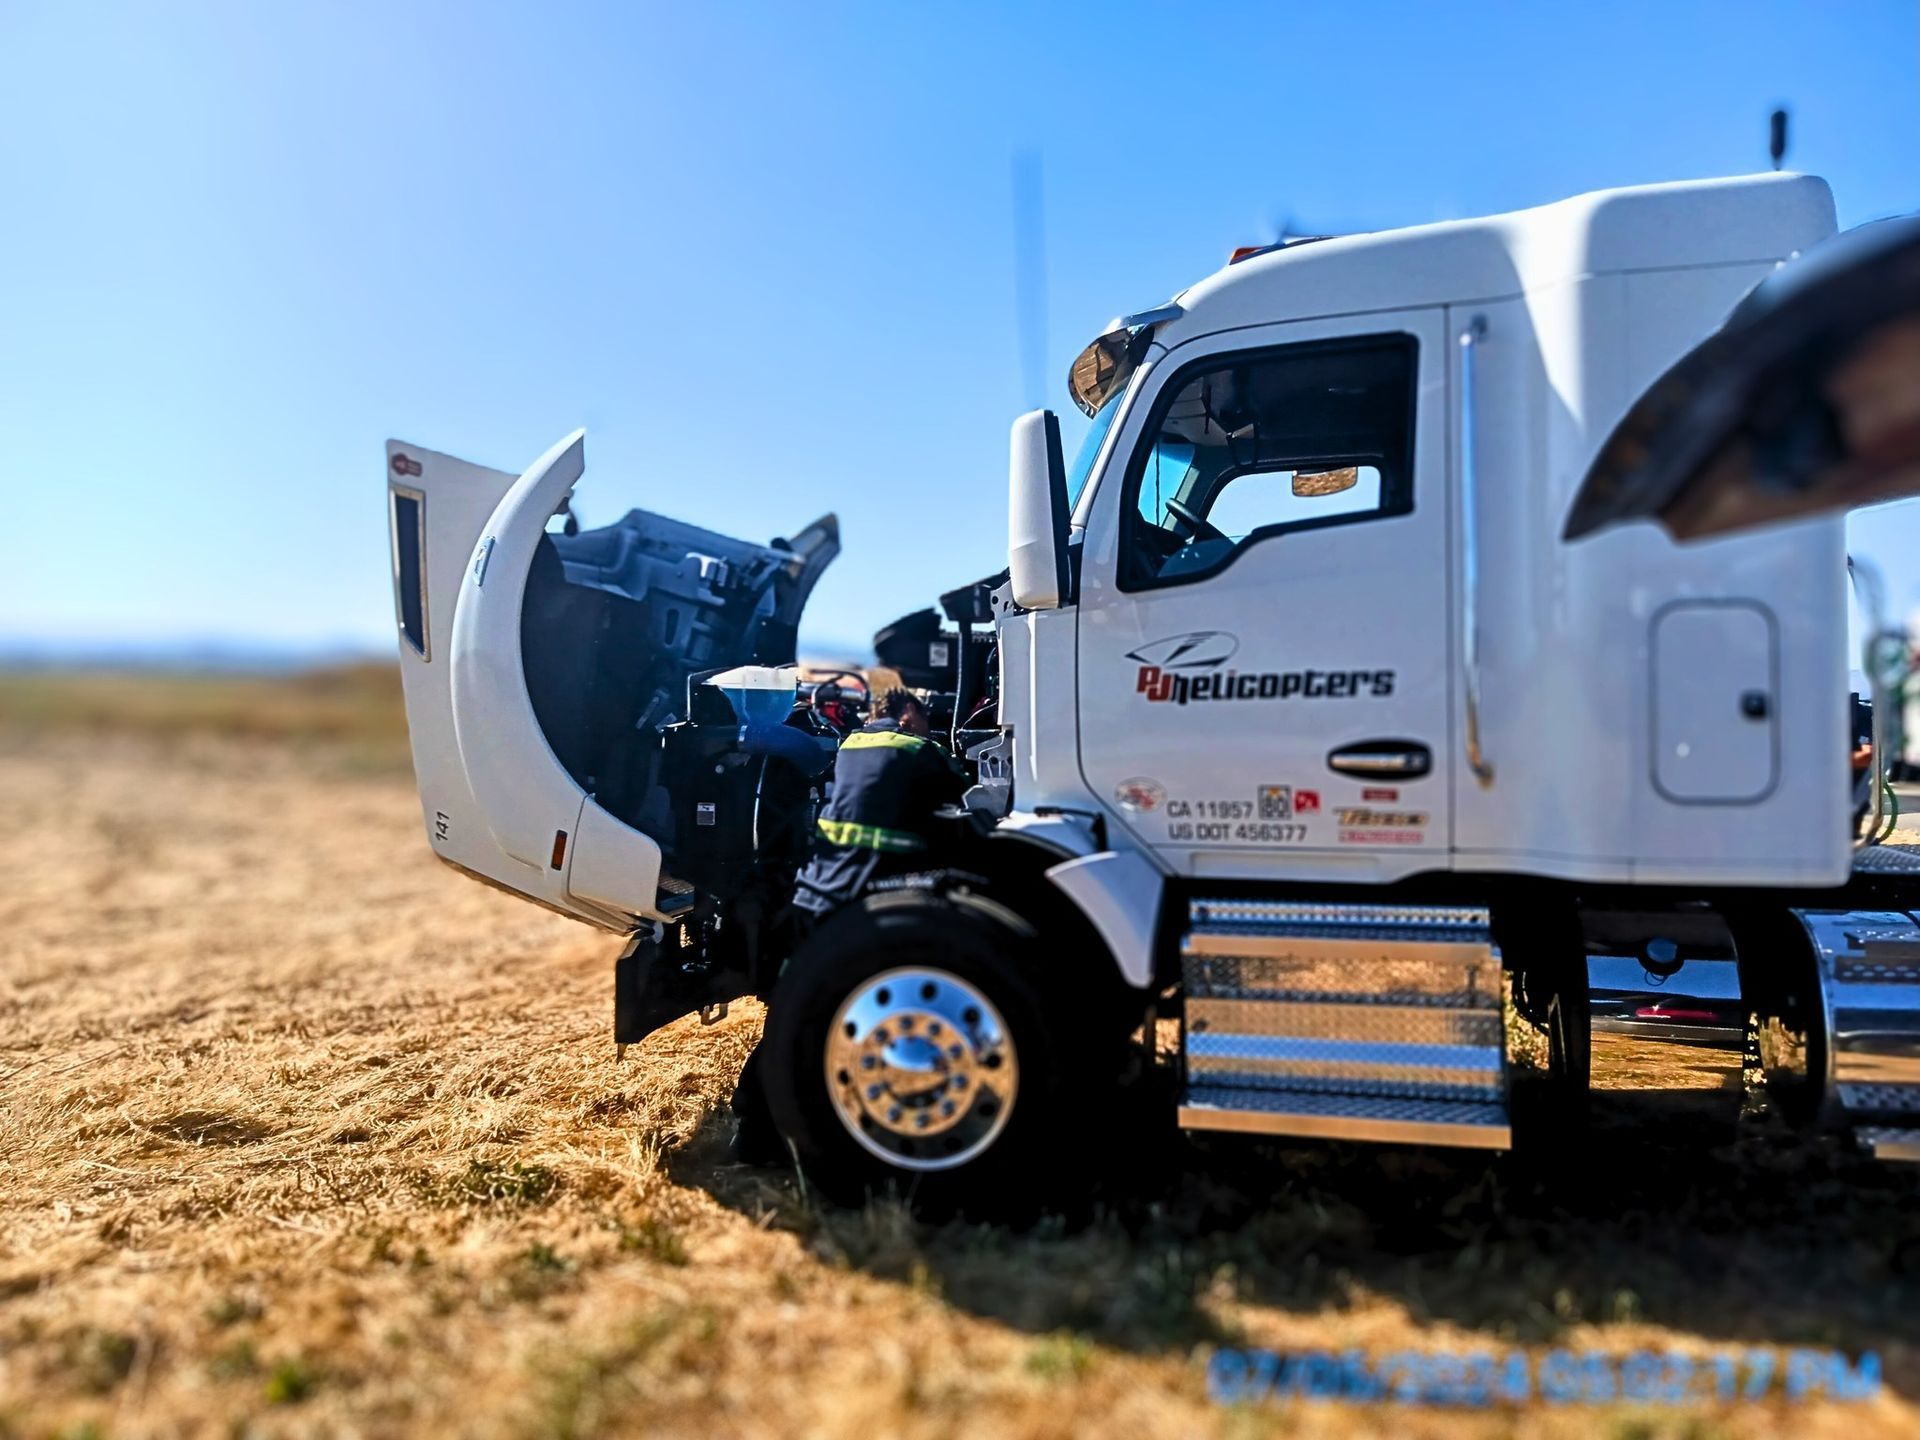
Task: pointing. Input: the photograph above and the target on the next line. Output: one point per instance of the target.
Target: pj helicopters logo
(1188, 668)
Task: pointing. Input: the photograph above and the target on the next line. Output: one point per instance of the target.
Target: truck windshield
(1082, 469)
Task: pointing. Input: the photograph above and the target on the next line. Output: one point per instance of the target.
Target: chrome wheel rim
(921, 1069)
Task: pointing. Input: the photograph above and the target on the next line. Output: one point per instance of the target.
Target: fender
(1119, 893)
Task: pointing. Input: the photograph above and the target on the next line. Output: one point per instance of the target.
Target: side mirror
(1037, 513)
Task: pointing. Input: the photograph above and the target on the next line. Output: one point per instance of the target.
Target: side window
(409, 567)
(1248, 446)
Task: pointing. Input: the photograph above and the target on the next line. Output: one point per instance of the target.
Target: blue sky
(765, 255)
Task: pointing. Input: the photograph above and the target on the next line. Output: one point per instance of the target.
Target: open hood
(541, 666)
(1806, 401)
(673, 599)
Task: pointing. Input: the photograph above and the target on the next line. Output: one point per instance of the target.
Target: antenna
(1777, 136)
(1030, 273)
(1287, 228)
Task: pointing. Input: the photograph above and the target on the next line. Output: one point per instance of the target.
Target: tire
(920, 1044)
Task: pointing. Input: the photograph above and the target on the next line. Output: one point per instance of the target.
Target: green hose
(1892, 816)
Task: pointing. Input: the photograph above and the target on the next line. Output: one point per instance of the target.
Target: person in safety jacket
(888, 781)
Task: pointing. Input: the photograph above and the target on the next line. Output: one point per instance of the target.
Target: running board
(1463, 1123)
(1883, 1142)
(1346, 1022)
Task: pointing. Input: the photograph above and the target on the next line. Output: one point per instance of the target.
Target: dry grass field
(302, 1134)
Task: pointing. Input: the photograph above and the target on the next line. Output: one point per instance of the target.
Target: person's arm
(946, 781)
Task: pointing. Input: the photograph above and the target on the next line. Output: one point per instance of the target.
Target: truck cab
(1321, 559)
(1334, 708)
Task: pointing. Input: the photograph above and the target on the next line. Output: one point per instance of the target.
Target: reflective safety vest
(887, 784)
(869, 837)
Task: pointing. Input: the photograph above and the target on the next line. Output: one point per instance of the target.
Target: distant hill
(196, 656)
(239, 657)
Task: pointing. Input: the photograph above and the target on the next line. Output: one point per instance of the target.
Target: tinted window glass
(409, 574)
(1280, 497)
(1089, 451)
(1249, 446)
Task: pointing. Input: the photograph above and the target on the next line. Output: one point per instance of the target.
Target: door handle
(1382, 760)
(1470, 341)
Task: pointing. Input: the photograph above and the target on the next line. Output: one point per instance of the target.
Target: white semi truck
(1338, 703)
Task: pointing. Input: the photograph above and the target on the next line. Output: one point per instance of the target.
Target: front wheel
(918, 1043)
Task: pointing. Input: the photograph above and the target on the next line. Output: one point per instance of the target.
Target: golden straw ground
(301, 1133)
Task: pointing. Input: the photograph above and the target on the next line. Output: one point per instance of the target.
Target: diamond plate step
(1884, 1142)
(673, 895)
(1385, 1120)
(1887, 859)
(1356, 1022)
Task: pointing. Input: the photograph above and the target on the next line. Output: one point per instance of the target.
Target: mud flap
(1546, 953)
(653, 986)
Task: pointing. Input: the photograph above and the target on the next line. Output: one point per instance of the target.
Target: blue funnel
(760, 694)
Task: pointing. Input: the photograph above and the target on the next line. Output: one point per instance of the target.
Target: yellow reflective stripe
(856, 836)
(881, 740)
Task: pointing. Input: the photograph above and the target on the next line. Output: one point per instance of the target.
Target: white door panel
(1212, 710)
